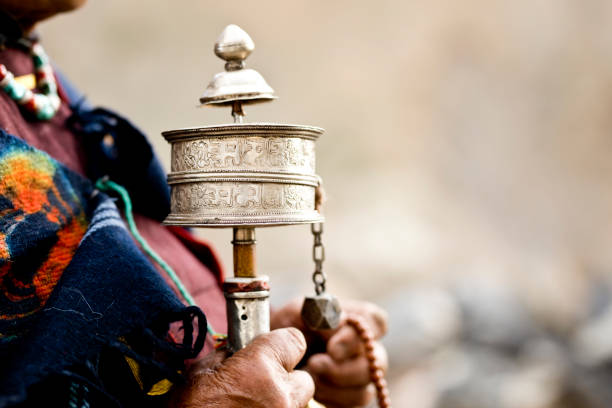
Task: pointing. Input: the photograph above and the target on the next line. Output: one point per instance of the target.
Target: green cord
(107, 185)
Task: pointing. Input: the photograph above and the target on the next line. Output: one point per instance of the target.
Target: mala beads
(42, 105)
(376, 371)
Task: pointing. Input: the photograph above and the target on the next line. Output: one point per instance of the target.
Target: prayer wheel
(242, 175)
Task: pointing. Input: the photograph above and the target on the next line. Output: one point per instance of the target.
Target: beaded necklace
(44, 104)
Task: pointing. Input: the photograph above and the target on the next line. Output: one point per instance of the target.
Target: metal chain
(318, 256)
(319, 279)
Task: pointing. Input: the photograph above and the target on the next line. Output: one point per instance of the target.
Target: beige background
(463, 137)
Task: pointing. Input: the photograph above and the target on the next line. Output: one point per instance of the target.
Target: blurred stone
(592, 342)
(556, 293)
(498, 379)
(591, 387)
(492, 313)
(414, 388)
(531, 386)
(421, 320)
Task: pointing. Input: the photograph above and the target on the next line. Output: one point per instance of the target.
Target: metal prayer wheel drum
(251, 174)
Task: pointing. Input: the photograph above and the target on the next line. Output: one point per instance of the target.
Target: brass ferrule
(244, 253)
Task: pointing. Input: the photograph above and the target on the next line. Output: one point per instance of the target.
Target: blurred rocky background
(467, 162)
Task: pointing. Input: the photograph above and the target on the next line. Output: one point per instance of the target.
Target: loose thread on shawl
(104, 184)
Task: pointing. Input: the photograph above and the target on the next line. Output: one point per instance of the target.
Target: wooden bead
(377, 375)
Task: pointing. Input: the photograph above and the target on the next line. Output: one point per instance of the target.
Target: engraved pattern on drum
(240, 198)
(276, 154)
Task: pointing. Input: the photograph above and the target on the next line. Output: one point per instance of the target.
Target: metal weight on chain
(322, 311)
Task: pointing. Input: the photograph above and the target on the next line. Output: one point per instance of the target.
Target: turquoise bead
(39, 60)
(10, 89)
(45, 112)
(49, 88)
(45, 88)
(15, 90)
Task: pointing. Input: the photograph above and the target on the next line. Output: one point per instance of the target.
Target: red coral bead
(30, 105)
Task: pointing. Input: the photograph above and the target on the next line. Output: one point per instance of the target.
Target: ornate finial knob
(234, 45)
(237, 85)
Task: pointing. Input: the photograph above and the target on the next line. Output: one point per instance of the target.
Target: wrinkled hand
(260, 376)
(341, 374)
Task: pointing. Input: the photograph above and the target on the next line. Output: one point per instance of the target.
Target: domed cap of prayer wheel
(236, 83)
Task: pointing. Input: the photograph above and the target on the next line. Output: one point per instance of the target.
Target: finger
(353, 372)
(344, 396)
(345, 344)
(375, 317)
(302, 387)
(346, 374)
(285, 346)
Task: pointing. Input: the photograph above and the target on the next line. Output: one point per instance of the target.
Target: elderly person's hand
(340, 370)
(259, 376)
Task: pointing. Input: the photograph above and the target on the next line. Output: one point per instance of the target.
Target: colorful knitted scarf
(76, 295)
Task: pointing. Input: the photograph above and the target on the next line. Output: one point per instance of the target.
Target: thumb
(285, 346)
